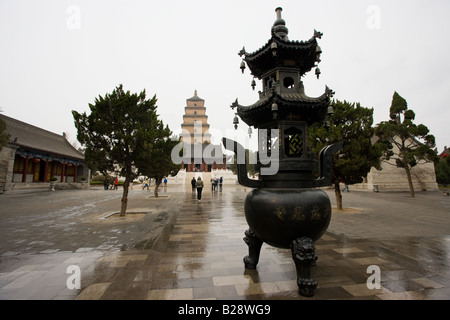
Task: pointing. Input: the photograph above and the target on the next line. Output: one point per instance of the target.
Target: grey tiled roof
(195, 98)
(34, 138)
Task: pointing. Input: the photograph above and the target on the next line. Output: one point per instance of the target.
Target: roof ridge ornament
(317, 34)
(329, 92)
(242, 52)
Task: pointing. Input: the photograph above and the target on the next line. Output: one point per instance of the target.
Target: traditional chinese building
(195, 121)
(34, 155)
(200, 154)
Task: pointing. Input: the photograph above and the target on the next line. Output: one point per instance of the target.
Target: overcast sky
(57, 56)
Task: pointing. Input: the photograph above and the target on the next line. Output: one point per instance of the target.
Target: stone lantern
(285, 209)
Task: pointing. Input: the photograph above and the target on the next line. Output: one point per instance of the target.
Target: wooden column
(46, 171)
(63, 172)
(35, 168)
(75, 173)
(25, 170)
(52, 170)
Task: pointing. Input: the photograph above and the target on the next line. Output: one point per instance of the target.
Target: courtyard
(174, 248)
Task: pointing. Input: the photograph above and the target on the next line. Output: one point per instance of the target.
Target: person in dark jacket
(193, 182)
(199, 186)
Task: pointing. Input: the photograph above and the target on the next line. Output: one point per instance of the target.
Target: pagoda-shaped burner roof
(279, 51)
(281, 63)
(293, 54)
(291, 106)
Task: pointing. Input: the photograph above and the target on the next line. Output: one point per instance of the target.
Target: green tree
(442, 170)
(116, 131)
(403, 141)
(155, 159)
(352, 124)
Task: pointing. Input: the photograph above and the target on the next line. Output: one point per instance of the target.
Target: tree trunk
(337, 191)
(157, 183)
(411, 186)
(123, 208)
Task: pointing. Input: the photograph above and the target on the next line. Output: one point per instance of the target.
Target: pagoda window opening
(288, 83)
(293, 141)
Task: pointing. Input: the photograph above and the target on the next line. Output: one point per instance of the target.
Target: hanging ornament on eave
(242, 66)
(317, 72)
(235, 121)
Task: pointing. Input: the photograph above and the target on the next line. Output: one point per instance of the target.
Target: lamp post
(285, 209)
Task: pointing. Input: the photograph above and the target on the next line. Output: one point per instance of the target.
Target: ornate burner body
(285, 209)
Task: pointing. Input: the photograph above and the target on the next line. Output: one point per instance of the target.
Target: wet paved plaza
(176, 248)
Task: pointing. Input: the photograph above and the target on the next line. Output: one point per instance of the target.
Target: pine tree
(403, 141)
(120, 126)
(352, 124)
(155, 160)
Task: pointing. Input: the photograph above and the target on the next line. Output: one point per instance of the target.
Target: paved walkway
(176, 248)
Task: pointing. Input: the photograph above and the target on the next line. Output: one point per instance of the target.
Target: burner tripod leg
(254, 249)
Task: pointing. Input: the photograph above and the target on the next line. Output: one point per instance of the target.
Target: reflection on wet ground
(199, 249)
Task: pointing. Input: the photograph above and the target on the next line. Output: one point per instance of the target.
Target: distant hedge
(100, 183)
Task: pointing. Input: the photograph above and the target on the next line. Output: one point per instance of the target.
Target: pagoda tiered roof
(195, 97)
(291, 106)
(296, 54)
(280, 63)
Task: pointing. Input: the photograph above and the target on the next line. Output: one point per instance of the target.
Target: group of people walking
(216, 183)
(199, 185)
(111, 184)
(149, 182)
